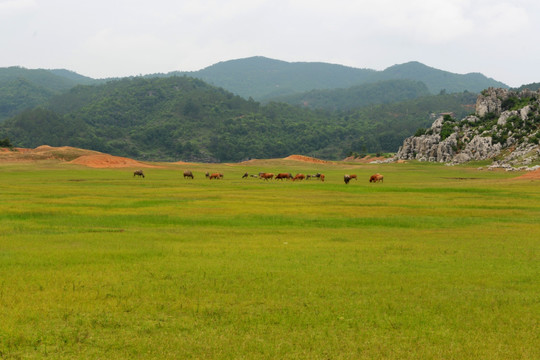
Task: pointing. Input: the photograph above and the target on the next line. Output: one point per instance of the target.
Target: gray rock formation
(490, 101)
(514, 135)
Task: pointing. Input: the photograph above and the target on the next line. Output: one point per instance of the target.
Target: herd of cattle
(269, 176)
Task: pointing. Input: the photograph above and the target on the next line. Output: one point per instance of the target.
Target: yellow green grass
(436, 263)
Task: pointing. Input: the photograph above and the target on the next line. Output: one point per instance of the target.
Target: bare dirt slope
(43, 152)
(532, 175)
(363, 160)
(108, 161)
(306, 159)
(69, 155)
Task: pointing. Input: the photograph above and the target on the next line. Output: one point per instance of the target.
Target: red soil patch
(531, 175)
(44, 152)
(108, 161)
(306, 159)
(70, 155)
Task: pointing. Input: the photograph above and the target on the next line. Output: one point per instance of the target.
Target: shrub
(447, 130)
(499, 139)
(6, 143)
(509, 103)
(447, 118)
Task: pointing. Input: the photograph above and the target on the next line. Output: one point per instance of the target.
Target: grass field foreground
(435, 263)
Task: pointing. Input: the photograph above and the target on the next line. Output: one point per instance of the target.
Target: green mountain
(22, 88)
(439, 80)
(532, 87)
(266, 79)
(383, 92)
(262, 78)
(182, 118)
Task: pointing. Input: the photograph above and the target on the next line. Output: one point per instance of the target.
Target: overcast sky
(112, 38)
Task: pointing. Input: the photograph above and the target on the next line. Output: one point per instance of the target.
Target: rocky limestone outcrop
(490, 101)
(506, 126)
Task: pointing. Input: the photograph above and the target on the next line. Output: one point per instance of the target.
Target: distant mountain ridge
(265, 79)
(257, 77)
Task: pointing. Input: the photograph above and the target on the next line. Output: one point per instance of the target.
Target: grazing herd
(269, 176)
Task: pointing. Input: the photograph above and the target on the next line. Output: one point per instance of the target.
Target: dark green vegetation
(532, 87)
(266, 79)
(436, 263)
(439, 81)
(181, 118)
(384, 92)
(22, 89)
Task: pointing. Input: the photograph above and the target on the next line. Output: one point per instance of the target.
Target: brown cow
(266, 176)
(322, 177)
(353, 176)
(188, 174)
(216, 176)
(376, 178)
(282, 176)
(138, 173)
(299, 177)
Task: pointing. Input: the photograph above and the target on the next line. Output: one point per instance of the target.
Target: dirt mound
(306, 159)
(531, 175)
(43, 152)
(108, 161)
(70, 155)
(182, 163)
(364, 160)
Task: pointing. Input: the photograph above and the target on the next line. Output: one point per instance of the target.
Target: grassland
(436, 263)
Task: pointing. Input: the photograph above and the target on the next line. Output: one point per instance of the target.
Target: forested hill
(438, 80)
(266, 79)
(383, 92)
(182, 118)
(22, 88)
(262, 78)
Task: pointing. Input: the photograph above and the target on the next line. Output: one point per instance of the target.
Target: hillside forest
(179, 117)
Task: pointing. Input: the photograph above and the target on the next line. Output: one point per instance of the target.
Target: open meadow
(437, 262)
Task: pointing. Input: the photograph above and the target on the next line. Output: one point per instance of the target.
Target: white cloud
(128, 37)
(10, 7)
(123, 54)
(502, 19)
